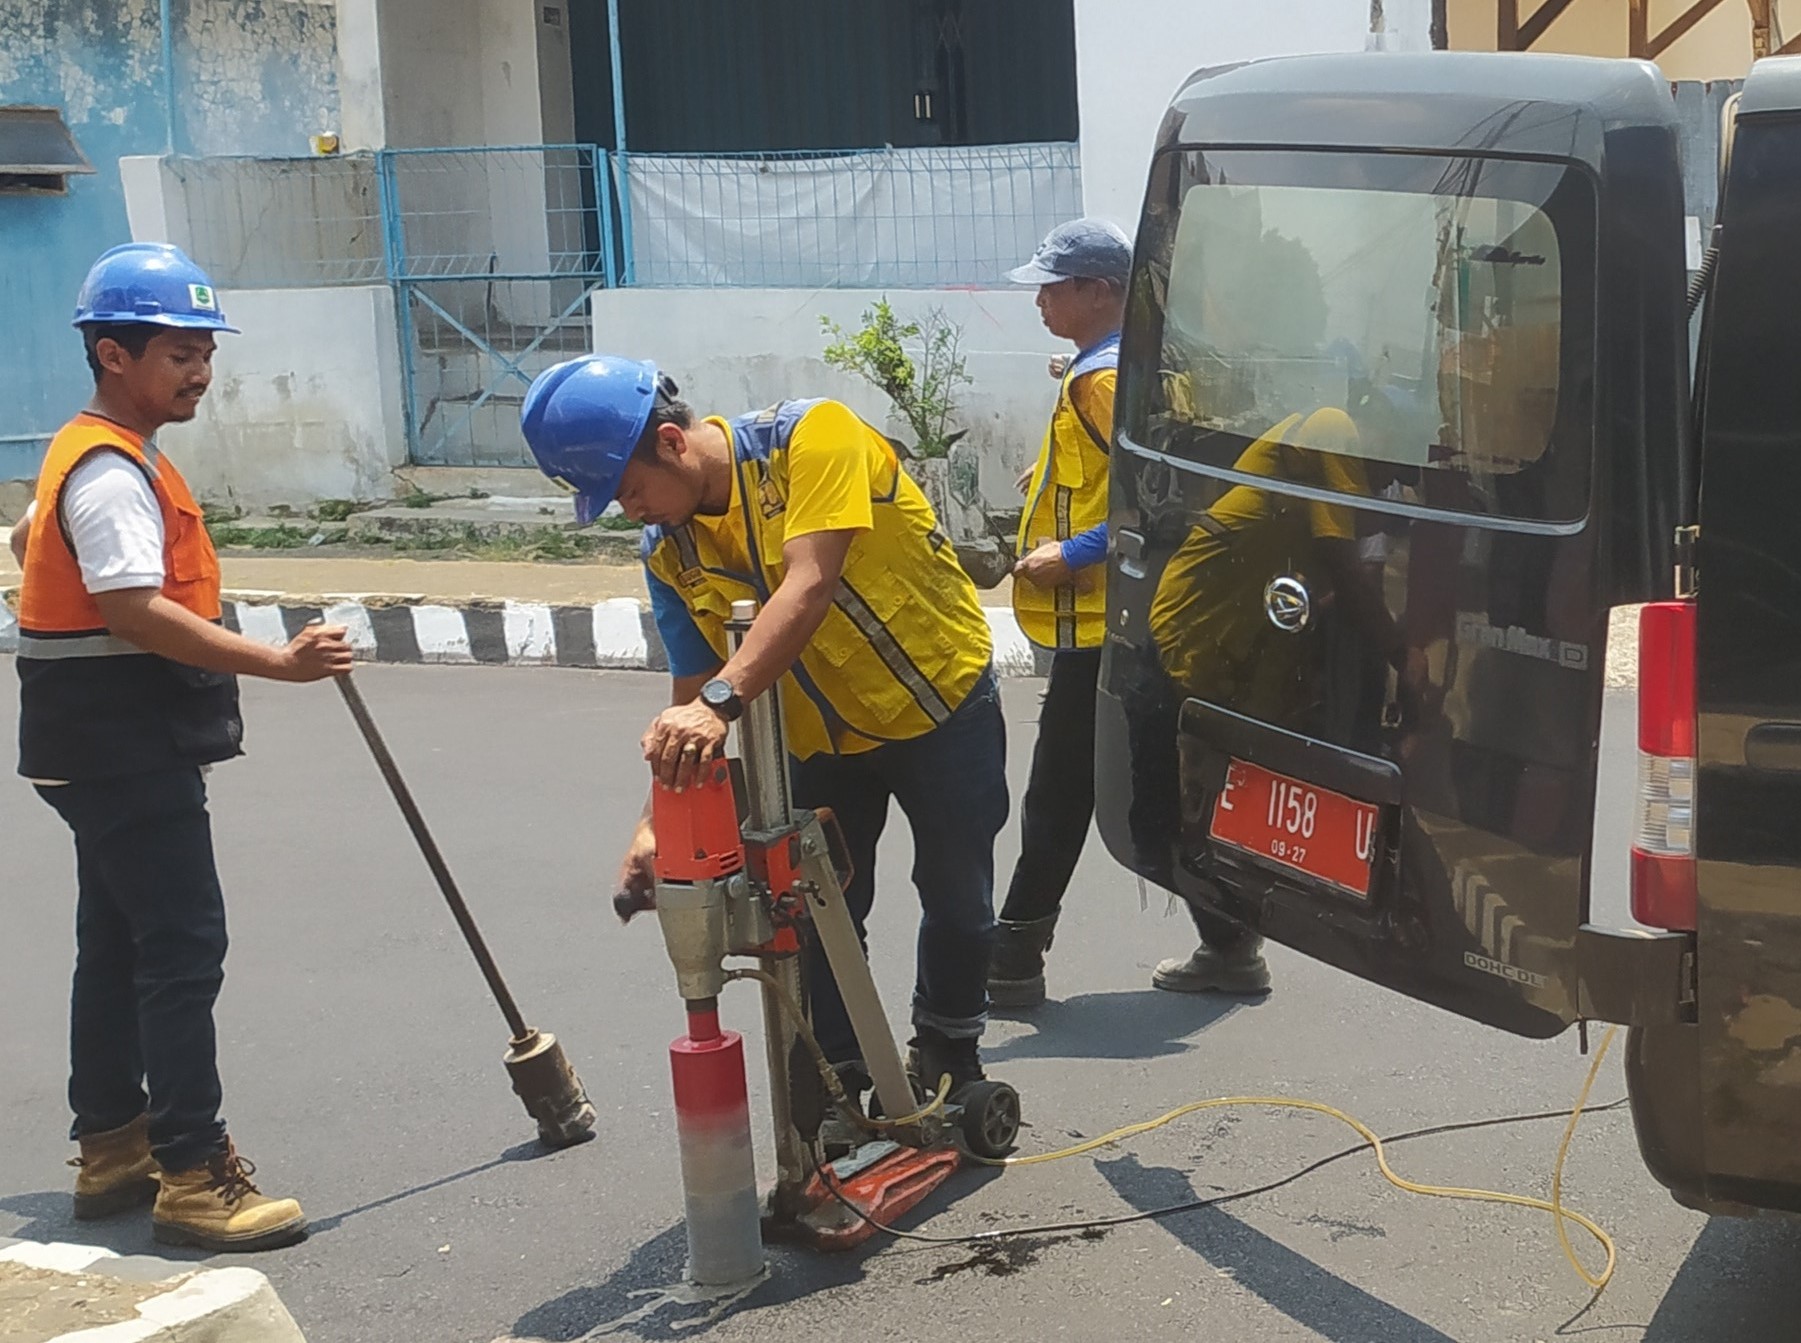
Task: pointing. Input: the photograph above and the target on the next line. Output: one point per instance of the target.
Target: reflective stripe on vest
(1067, 496)
(905, 637)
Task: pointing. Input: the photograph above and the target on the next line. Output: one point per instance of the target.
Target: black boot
(930, 1056)
(1016, 977)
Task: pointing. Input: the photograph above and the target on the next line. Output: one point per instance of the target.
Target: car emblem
(1288, 603)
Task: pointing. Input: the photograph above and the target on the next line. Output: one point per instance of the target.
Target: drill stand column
(758, 882)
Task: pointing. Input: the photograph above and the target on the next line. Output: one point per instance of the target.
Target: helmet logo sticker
(201, 296)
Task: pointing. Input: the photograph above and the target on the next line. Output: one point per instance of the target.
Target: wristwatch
(719, 696)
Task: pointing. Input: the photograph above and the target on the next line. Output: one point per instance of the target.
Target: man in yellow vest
(1059, 595)
(128, 692)
(867, 622)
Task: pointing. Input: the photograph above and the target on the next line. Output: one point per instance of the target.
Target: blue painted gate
(493, 254)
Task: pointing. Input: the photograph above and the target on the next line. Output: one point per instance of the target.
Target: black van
(1405, 413)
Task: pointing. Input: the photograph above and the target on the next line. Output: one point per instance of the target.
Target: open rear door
(1401, 421)
(1748, 672)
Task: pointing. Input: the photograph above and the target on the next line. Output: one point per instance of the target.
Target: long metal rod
(761, 746)
(434, 859)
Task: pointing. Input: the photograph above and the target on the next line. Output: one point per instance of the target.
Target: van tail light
(1663, 846)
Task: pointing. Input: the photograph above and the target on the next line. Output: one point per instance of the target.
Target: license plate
(1312, 830)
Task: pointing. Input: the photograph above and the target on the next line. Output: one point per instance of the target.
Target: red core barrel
(719, 1176)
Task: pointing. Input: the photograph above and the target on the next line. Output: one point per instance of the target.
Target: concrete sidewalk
(60, 1293)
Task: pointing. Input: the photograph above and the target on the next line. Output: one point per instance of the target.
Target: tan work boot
(115, 1171)
(1243, 971)
(216, 1207)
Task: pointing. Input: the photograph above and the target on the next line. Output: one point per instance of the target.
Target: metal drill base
(553, 1094)
(882, 1181)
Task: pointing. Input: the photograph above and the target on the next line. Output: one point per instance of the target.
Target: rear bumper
(1663, 1072)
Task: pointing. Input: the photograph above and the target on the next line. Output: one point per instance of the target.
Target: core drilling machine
(741, 872)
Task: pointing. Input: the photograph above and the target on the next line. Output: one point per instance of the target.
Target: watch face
(716, 693)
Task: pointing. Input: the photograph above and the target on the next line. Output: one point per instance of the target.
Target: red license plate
(1312, 830)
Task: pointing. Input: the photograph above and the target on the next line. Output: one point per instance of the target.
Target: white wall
(1132, 55)
(733, 350)
(305, 405)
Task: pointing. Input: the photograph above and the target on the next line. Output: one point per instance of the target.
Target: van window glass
(1439, 306)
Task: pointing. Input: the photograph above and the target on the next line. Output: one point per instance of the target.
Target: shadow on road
(525, 1151)
(49, 1215)
(1741, 1280)
(645, 1298)
(1141, 1024)
(1309, 1295)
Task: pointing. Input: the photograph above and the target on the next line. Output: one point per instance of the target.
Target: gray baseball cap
(1089, 249)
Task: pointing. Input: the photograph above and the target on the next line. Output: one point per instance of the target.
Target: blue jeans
(149, 960)
(951, 784)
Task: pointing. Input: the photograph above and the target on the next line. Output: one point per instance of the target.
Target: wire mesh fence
(904, 218)
(278, 223)
(529, 211)
(473, 345)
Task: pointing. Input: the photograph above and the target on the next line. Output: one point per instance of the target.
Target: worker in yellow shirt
(867, 622)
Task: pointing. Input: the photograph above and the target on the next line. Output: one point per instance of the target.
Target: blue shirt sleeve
(1086, 548)
(689, 652)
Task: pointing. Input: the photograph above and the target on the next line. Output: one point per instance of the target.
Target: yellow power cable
(1554, 1205)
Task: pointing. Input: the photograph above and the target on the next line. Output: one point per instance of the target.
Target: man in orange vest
(128, 692)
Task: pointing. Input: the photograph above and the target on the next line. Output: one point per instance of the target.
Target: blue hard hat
(582, 419)
(149, 283)
(1089, 249)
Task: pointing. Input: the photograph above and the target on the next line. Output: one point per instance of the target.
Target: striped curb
(90, 1294)
(618, 633)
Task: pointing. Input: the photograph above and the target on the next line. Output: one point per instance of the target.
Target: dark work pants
(1224, 935)
(1059, 803)
(149, 960)
(951, 784)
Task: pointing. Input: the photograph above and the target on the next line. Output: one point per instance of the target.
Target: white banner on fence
(914, 218)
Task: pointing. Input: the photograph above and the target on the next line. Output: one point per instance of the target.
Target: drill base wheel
(990, 1119)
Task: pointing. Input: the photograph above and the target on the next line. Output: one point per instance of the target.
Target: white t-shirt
(114, 523)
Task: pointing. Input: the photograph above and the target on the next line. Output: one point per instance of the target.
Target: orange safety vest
(91, 704)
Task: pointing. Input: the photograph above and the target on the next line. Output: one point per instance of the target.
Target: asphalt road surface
(362, 1071)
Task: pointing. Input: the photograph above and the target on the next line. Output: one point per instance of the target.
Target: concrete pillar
(361, 111)
(417, 73)
(556, 74)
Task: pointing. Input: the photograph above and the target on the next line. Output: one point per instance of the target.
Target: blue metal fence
(493, 254)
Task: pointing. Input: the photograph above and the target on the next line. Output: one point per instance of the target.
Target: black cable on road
(1199, 1204)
